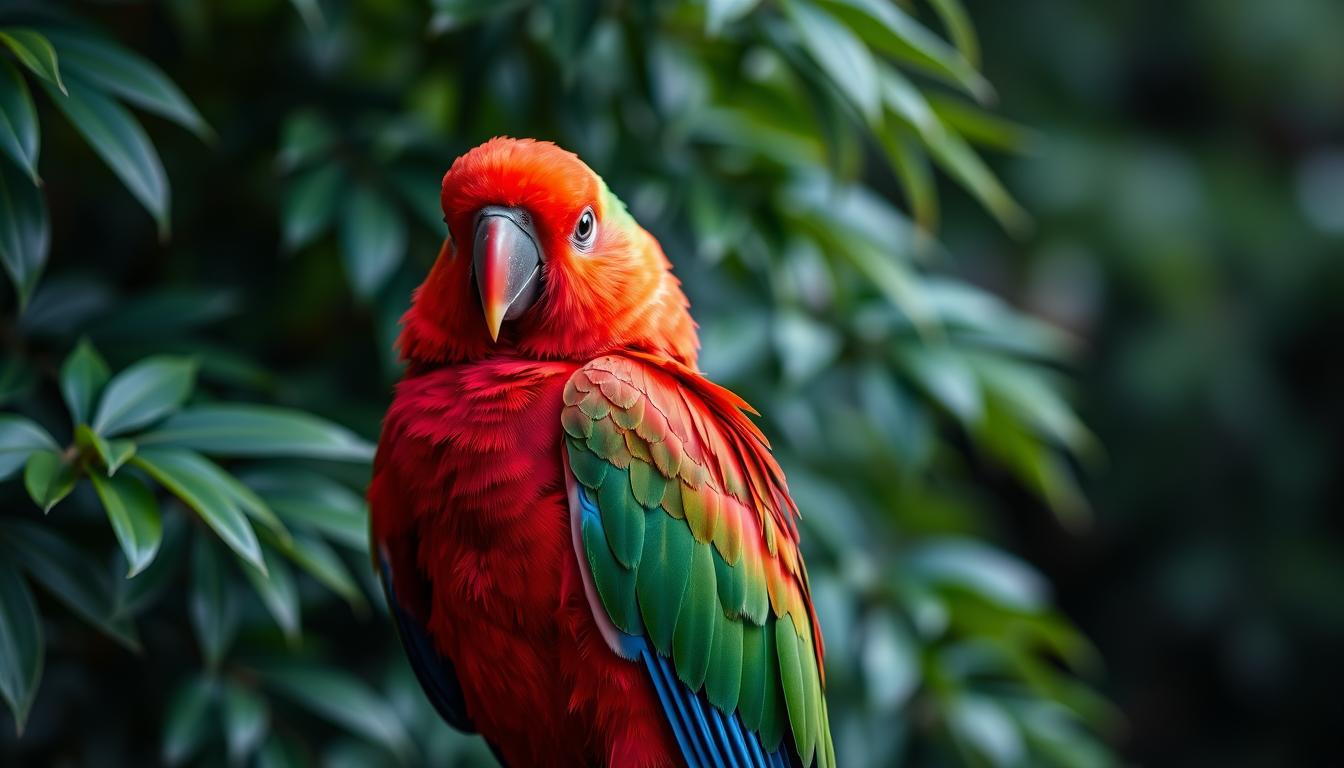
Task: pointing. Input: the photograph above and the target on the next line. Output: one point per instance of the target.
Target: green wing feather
(697, 554)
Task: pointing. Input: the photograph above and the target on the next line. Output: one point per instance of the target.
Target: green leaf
(321, 562)
(187, 722)
(106, 65)
(137, 595)
(19, 137)
(958, 23)
(25, 233)
(83, 375)
(212, 603)
(48, 478)
(980, 127)
(21, 644)
(373, 240)
(205, 488)
(246, 720)
(144, 393)
(134, 515)
(113, 453)
(944, 374)
(275, 585)
(310, 203)
(19, 438)
(311, 13)
(343, 700)
(35, 52)
(454, 14)
(841, 55)
(950, 150)
(892, 31)
(979, 568)
(719, 13)
(309, 500)
(254, 431)
(71, 576)
(117, 137)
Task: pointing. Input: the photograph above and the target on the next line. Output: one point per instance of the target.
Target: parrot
(588, 551)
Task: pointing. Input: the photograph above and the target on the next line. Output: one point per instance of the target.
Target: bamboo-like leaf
(958, 23)
(144, 393)
(187, 722)
(343, 700)
(720, 13)
(83, 375)
(117, 137)
(212, 604)
(310, 204)
(25, 233)
(134, 515)
(893, 31)
(275, 585)
(70, 575)
(246, 720)
(19, 138)
(102, 63)
(257, 431)
(840, 54)
(19, 438)
(21, 644)
(48, 478)
(35, 52)
(373, 240)
(205, 488)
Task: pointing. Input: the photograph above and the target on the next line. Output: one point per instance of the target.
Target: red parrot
(588, 550)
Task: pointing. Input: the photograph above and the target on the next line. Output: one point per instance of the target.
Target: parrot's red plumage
(590, 554)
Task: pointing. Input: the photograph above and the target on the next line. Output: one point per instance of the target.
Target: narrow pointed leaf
(119, 140)
(21, 644)
(202, 486)
(106, 65)
(83, 375)
(48, 478)
(19, 138)
(212, 603)
(246, 720)
(310, 205)
(343, 700)
(134, 515)
(373, 240)
(144, 393)
(25, 232)
(278, 592)
(19, 438)
(188, 720)
(254, 431)
(892, 31)
(841, 55)
(70, 575)
(35, 52)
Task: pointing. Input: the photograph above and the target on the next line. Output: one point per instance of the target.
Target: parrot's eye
(585, 229)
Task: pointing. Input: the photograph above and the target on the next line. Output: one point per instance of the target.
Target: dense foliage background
(213, 214)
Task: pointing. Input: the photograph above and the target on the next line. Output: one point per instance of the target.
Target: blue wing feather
(708, 737)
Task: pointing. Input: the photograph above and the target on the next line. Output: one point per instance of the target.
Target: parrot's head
(542, 261)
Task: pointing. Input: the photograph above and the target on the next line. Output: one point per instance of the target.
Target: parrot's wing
(434, 671)
(688, 544)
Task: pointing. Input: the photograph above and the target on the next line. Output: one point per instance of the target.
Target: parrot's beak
(507, 264)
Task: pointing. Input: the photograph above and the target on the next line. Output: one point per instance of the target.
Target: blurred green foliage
(1188, 200)
(788, 156)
